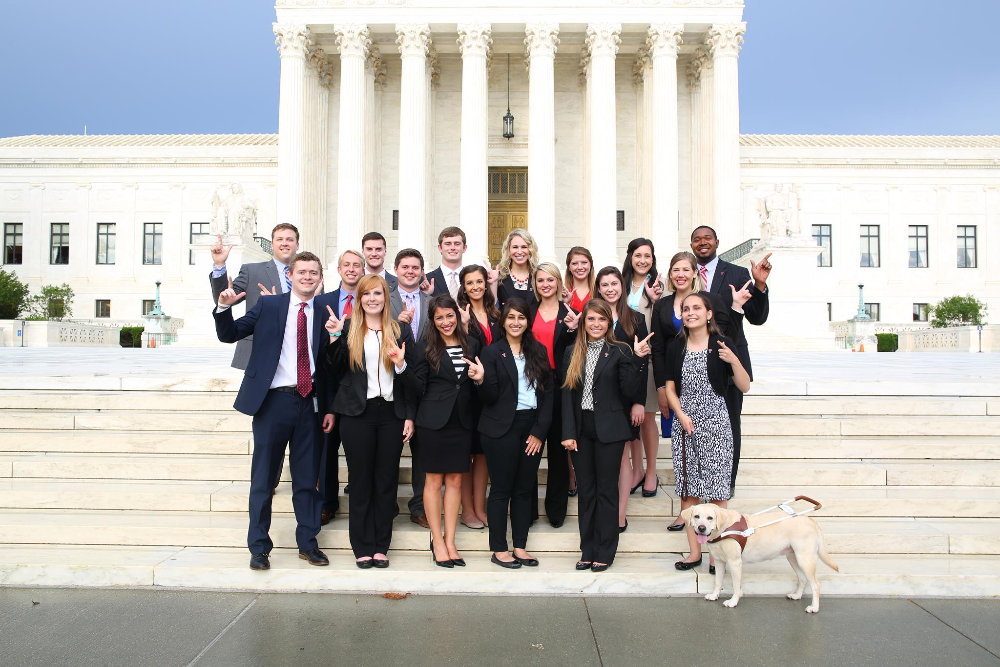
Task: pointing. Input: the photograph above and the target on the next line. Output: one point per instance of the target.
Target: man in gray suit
(374, 248)
(256, 278)
(409, 307)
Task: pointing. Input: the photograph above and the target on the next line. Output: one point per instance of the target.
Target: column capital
(642, 60)
(698, 63)
(664, 39)
(725, 39)
(353, 39)
(377, 66)
(413, 39)
(475, 39)
(433, 65)
(326, 73)
(316, 58)
(541, 39)
(292, 40)
(603, 38)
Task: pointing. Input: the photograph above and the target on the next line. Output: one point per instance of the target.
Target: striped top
(455, 353)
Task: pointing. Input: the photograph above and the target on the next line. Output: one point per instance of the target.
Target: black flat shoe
(365, 564)
(314, 557)
(527, 562)
(622, 529)
(572, 493)
(441, 563)
(711, 569)
(599, 568)
(260, 562)
(683, 566)
(460, 562)
(510, 565)
(380, 563)
(675, 527)
(583, 565)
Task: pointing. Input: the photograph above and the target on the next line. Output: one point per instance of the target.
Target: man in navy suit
(285, 389)
(718, 274)
(445, 278)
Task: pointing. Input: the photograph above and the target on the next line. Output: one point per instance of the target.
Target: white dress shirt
(287, 375)
(710, 272)
(379, 379)
(448, 277)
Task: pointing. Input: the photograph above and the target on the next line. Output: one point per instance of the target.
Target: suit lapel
(602, 361)
(507, 359)
(424, 299)
(319, 320)
(274, 280)
(719, 277)
(286, 302)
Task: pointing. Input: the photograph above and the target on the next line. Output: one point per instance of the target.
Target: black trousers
(329, 485)
(734, 405)
(557, 486)
(597, 465)
(513, 476)
(373, 442)
(417, 477)
(285, 419)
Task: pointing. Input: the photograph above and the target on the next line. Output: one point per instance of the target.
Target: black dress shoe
(315, 557)
(325, 517)
(650, 494)
(527, 562)
(622, 529)
(556, 524)
(510, 565)
(260, 562)
(347, 489)
(380, 563)
(674, 527)
(711, 569)
(460, 562)
(366, 564)
(599, 568)
(572, 493)
(636, 487)
(447, 562)
(683, 566)
(583, 565)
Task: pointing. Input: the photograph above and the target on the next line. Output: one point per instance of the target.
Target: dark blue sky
(210, 66)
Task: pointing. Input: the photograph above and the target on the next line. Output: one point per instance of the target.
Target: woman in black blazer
(700, 366)
(600, 374)
(482, 317)
(445, 419)
(515, 386)
(372, 354)
(628, 324)
(516, 268)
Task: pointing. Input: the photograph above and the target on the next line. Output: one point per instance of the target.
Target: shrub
(13, 296)
(131, 336)
(54, 303)
(887, 342)
(956, 311)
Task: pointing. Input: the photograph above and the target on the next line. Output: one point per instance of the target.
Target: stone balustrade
(958, 339)
(57, 334)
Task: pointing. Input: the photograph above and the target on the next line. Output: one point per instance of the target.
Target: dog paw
(712, 597)
(731, 602)
(812, 609)
(794, 596)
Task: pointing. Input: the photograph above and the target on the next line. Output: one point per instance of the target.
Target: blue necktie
(288, 281)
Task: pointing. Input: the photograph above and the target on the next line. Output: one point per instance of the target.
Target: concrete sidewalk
(144, 627)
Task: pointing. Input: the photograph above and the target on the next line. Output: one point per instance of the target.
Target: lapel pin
(503, 354)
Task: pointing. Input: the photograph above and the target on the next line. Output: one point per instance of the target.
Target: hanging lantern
(508, 119)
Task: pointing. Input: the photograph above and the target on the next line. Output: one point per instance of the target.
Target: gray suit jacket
(265, 273)
(396, 307)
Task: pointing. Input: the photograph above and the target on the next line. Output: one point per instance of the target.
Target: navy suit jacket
(266, 323)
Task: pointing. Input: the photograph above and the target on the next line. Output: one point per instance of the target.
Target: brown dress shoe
(420, 520)
(325, 517)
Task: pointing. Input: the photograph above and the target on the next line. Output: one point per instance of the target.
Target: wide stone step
(206, 423)
(139, 401)
(632, 574)
(124, 442)
(938, 447)
(758, 425)
(917, 406)
(880, 501)
(644, 534)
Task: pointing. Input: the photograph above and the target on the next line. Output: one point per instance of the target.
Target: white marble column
(413, 41)
(699, 95)
(293, 42)
(664, 40)
(542, 40)
(642, 74)
(724, 40)
(375, 73)
(475, 41)
(602, 42)
(312, 235)
(353, 41)
(323, 152)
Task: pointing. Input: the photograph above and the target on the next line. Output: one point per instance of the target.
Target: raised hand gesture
(333, 325)
(641, 347)
(493, 274)
(476, 371)
(742, 296)
(466, 315)
(220, 253)
(427, 287)
(572, 320)
(406, 317)
(264, 292)
(727, 355)
(397, 354)
(760, 271)
(655, 291)
(567, 295)
(229, 297)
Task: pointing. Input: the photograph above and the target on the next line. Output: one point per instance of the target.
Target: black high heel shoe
(675, 527)
(683, 566)
(441, 563)
(650, 494)
(636, 487)
(622, 529)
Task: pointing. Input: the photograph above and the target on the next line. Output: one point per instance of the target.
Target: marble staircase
(147, 486)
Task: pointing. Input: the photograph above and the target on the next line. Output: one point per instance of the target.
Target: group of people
(479, 369)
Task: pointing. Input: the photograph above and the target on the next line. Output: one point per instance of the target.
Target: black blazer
(476, 331)
(506, 290)
(730, 323)
(562, 338)
(616, 380)
(756, 309)
(719, 371)
(639, 326)
(438, 391)
(352, 390)
(440, 286)
(498, 393)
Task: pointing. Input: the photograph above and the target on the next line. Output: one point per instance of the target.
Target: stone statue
(779, 213)
(219, 223)
(236, 215)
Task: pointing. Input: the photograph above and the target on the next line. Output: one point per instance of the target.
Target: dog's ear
(686, 514)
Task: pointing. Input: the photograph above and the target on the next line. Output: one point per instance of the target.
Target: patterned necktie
(415, 322)
(305, 383)
(704, 276)
(288, 280)
(348, 307)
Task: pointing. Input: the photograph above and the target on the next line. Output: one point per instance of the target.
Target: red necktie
(305, 383)
(348, 307)
(704, 276)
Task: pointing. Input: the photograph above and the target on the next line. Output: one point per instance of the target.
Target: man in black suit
(374, 249)
(718, 275)
(286, 390)
(445, 278)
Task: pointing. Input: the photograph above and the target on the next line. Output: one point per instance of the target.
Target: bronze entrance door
(508, 205)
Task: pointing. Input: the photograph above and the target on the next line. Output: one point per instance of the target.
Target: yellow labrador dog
(799, 539)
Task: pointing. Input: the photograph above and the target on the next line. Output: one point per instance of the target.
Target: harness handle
(809, 500)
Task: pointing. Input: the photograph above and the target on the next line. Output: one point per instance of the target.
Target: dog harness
(741, 530)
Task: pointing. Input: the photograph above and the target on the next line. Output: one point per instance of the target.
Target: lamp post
(508, 119)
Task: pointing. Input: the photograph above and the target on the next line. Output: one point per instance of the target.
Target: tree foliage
(957, 311)
(13, 296)
(54, 303)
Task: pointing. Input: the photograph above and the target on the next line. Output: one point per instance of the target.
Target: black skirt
(447, 449)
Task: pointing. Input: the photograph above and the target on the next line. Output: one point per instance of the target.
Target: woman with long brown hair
(376, 413)
(579, 281)
(599, 374)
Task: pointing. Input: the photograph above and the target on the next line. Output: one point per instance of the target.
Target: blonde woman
(518, 261)
(579, 278)
(375, 411)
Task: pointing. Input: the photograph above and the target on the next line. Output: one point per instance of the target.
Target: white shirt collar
(295, 301)
(710, 267)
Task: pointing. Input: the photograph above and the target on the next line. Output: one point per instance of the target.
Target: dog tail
(824, 556)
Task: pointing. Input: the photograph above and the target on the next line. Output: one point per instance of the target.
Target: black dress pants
(285, 419)
(513, 476)
(417, 478)
(597, 465)
(734, 405)
(330, 479)
(373, 442)
(557, 486)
